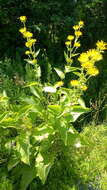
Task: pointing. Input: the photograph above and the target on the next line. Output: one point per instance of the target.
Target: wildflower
(27, 34)
(22, 30)
(81, 23)
(33, 40)
(75, 27)
(84, 88)
(30, 43)
(87, 65)
(23, 18)
(101, 45)
(77, 44)
(67, 43)
(93, 71)
(70, 37)
(83, 58)
(94, 54)
(59, 84)
(74, 82)
(27, 52)
(78, 33)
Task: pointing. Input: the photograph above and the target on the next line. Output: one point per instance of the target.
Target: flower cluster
(30, 41)
(77, 34)
(87, 59)
(72, 43)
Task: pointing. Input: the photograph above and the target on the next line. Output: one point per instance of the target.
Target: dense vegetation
(53, 95)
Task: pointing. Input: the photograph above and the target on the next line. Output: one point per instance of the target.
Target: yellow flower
(78, 33)
(27, 52)
(67, 43)
(23, 18)
(22, 30)
(77, 44)
(70, 37)
(83, 58)
(76, 27)
(74, 82)
(94, 54)
(59, 84)
(81, 23)
(84, 88)
(87, 65)
(27, 34)
(101, 45)
(33, 40)
(93, 71)
(30, 43)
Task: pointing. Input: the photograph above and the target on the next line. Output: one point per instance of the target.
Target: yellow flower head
(70, 37)
(81, 23)
(30, 43)
(23, 18)
(27, 34)
(74, 82)
(78, 33)
(93, 71)
(22, 30)
(33, 41)
(101, 45)
(84, 88)
(67, 43)
(94, 55)
(27, 52)
(59, 84)
(87, 65)
(77, 44)
(76, 27)
(83, 58)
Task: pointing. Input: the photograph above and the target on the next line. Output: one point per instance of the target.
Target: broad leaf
(28, 174)
(23, 148)
(42, 168)
(36, 91)
(60, 73)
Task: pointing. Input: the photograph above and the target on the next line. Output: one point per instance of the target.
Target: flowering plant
(43, 120)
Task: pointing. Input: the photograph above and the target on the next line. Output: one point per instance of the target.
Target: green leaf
(38, 72)
(60, 73)
(23, 148)
(55, 109)
(13, 161)
(67, 134)
(42, 132)
(33, 83)
(76, 111)
(70, 69)
(81, 102)
(42, 168)
(28, 174)
(36, 91)
(37, 53)
(77, 73)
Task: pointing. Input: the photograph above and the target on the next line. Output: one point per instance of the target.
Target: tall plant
(43, 119)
